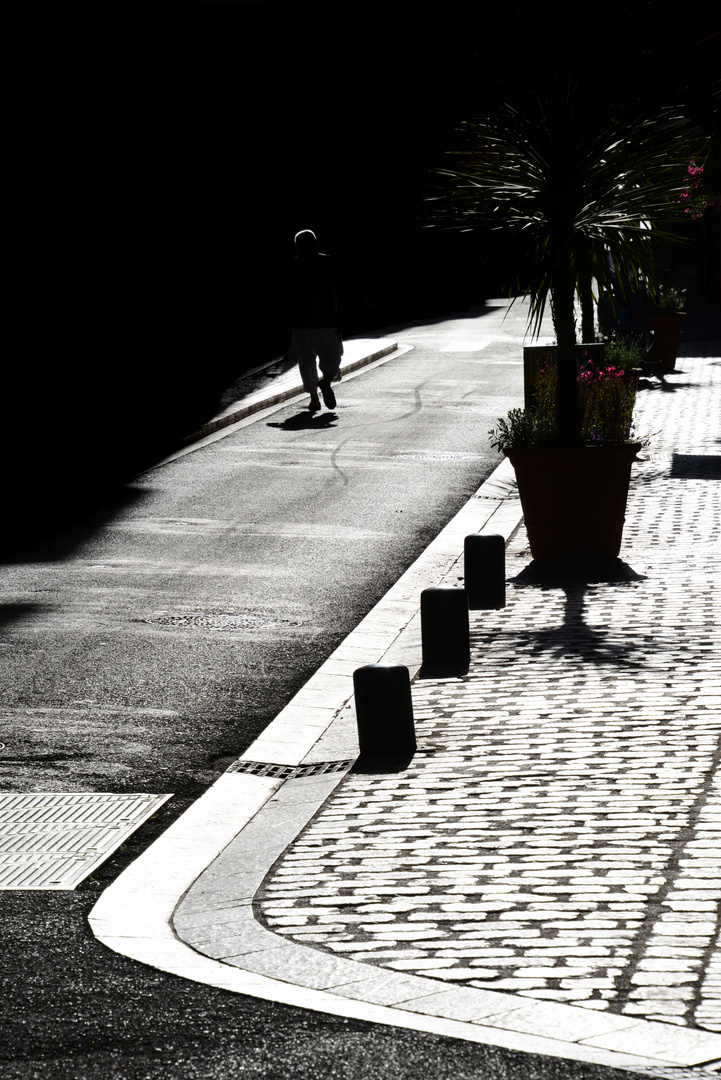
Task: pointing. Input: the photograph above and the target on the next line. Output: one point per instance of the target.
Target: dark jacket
(312, 288)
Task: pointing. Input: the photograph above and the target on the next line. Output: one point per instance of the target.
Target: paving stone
(558, 833)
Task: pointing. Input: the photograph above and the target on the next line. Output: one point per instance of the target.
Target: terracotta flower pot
(666, 340)
(574, 498)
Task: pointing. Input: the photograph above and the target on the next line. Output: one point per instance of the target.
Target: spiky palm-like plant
(585, 184)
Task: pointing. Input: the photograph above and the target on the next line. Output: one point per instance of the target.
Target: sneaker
(327, 391)
(314, 404)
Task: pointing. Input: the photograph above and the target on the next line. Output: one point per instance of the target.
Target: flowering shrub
(670, 301)
(606, 397)
(695, 198)
(625, 351)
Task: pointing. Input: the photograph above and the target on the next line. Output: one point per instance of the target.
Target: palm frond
(583, 187)
(609, 175)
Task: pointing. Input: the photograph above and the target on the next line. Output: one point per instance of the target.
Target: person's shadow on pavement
(305, 421)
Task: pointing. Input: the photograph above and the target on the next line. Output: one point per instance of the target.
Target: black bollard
(384, 711)
(444, 628)
(484, 570)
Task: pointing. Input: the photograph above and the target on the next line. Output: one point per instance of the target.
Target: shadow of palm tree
(660, 381)
(574, 637)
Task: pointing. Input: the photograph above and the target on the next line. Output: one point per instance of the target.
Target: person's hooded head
(306, 242)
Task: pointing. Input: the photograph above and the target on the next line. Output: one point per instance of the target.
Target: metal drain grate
(680, 1073)
(288, 772)
(54, 841)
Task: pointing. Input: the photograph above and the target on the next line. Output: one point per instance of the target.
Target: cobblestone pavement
(558, 833)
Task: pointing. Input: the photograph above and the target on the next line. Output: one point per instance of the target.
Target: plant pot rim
(635, 445)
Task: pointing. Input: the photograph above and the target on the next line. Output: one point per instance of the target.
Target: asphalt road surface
(146, 644)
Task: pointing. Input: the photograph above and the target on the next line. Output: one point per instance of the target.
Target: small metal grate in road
(671, 1073)
(288, 772)
(54, 841)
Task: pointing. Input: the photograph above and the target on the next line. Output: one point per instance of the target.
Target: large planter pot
(574, 498)
(666, 340)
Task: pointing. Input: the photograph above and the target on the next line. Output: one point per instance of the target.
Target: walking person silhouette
(314, 320)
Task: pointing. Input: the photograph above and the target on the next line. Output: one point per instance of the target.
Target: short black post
(384, 710)
(484, 570)
(445, 628)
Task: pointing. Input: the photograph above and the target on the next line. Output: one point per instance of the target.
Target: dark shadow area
(304, 421)
(558, 573)
(478, 309)
(369, 764)
(481, 604)
(254, 380)
(11, 613)
(701, 328)
(699, 349)
(51, 531)
(696, 467)
(645, 383)
(155, 216)
(148, 276)
(47, 759)
(660, 381)
(574, 637)
(443, 671)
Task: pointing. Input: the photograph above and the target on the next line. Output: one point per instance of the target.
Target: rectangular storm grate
(288, 772)
(54, 841)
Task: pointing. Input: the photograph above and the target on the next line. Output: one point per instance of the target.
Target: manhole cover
(54, 841)
(221, 620)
